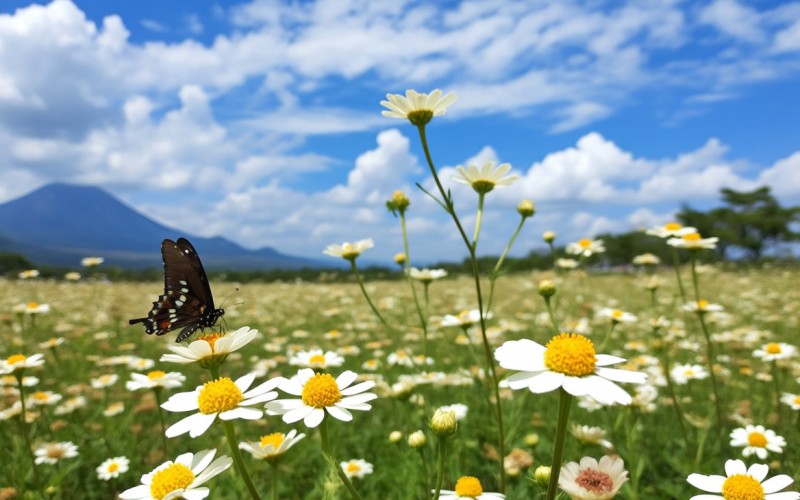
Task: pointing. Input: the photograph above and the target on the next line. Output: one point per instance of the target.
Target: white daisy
(154, 379)
(427, 275)
(321, 394)
(568, 361)
(418, 108)
(273, 445)
(585, 247)
(593, 480)
(757, 440)
(469, 488)
(681, 374)
(356, 468)
(19, 362)
(210, 348)
(793, 400)
(51, 453)
(702, 306)
(92, 261)
(743, 482)
(616, 315)
(775, 350)
(316, 358)
(182, 478)
(671, 230)
(486, 178)
(349, 251)
(112, 468)
(221, 398)
(693, 241)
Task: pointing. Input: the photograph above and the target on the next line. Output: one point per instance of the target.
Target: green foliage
(13, 262)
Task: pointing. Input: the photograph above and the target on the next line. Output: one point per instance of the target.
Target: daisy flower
(646, 259)
(18, 362)
(464, 319)
(588, 434)
(702, 306)
(469, 488)
(459, 410)
(793, 400)
(210, 348)
(585, 247)
(349, 251)
(743, 482)
(321, 394)
(774, 351)
(681, 374)
(52, 343)
(92, 261)
(486, 178)
(182, 478)
(104, 381)
(356, 467)
(417, 108)
(567, 263)
(28, 274)
(41, 398)
(272, 446)
(427, 275)
(616, 315)
(593, 480)
(757, 440)
(568, 361)
(316, 358)
(112, 468)
(671, 230)
(693, 241)
(155, 379)
(51, 453)
(221, 398)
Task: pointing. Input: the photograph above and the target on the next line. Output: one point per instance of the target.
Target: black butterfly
(187, 302)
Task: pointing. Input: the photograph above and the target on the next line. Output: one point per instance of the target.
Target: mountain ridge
(59, 223)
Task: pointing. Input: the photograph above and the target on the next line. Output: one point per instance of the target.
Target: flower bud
(542, 475)
(444, 422)
(549, 236)
(531, 439)
(547, 288)
(416, 439)
(400, 258)
(526, 208)
(395, 436)
(398, 203)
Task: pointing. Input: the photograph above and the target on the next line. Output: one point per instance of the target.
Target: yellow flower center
(113, 467)
(585, 243)
(40, 396)
(757, 439)
(16, 358)
(797, 400)
(169, 479)
(32, 305)
(156, 375)
(742, 487)
(353, 467)
(773, 348)
(211, 338)
(596, 481)
(691, 237)
(570, 354)
(317, 359)
(275, 440)
(702, 304)
(468, 486)
(219, 395)
(689, 373)
(55, 451)
(320, 391)
(672, 226)
(616, 314)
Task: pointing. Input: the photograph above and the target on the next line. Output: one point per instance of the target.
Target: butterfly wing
(187, 302)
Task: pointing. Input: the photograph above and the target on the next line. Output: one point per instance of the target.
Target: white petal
(297, 414)
(758, 471)
(606, 392)
(523, 355)
(358, 399)
(777, 483)
(183, 401)
(243, 413)
(195, 493)
(345, 379)
(786, 495)
(545, 382)
(339, 413)
(314, 418)
(521, 380)
(622, 375)
(140, 492)
(712, 484)
(245, 381)
(363, 386)
(201, 459)
(607, 359)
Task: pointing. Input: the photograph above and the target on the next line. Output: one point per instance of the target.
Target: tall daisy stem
(677, 264)
(564, 404)
(326, 449)
(448, 204)
(442, 447)
(423, 319)
(496, 271)
(24, 425)
(236, 454)
(157, 392)
(366, 295)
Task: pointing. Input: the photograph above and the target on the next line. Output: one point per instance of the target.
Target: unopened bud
(395, 436)
(444, 422)
(526, 208)
(416, 439)
(400, 258)
(547, 288)
(542, 475)
(549, 236)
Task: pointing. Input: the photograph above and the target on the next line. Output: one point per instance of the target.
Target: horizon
(260, 121)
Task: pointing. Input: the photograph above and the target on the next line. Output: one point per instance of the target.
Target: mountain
(59, 224)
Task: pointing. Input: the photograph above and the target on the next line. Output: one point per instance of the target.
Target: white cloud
(734, 19)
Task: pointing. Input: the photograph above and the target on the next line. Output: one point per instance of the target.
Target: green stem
(478, 220)
(366, 295)
(442, 446)
(326, 449)
(157, 392)
(236, 454)
(500, 262)
(777, 386)
(24, 425)
(476, 275)
(564, 404)
(425, 473)
(274, 487)
(552, 315)
(423, 320)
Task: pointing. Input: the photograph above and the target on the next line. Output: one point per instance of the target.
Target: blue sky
(260, 121)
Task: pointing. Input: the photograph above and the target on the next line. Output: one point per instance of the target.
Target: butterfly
(187, 302)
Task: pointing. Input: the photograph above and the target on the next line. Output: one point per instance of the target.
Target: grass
(760, 306)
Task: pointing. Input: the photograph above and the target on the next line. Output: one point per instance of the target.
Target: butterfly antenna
(236, 290)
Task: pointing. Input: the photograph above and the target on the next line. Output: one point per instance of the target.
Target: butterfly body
(187, 302)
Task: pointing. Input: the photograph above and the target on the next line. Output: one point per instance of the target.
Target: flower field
(90, 388)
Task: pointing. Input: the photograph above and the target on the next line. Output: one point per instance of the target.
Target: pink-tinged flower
(593, 480)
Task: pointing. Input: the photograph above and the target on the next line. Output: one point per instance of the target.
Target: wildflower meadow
(661, 381)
